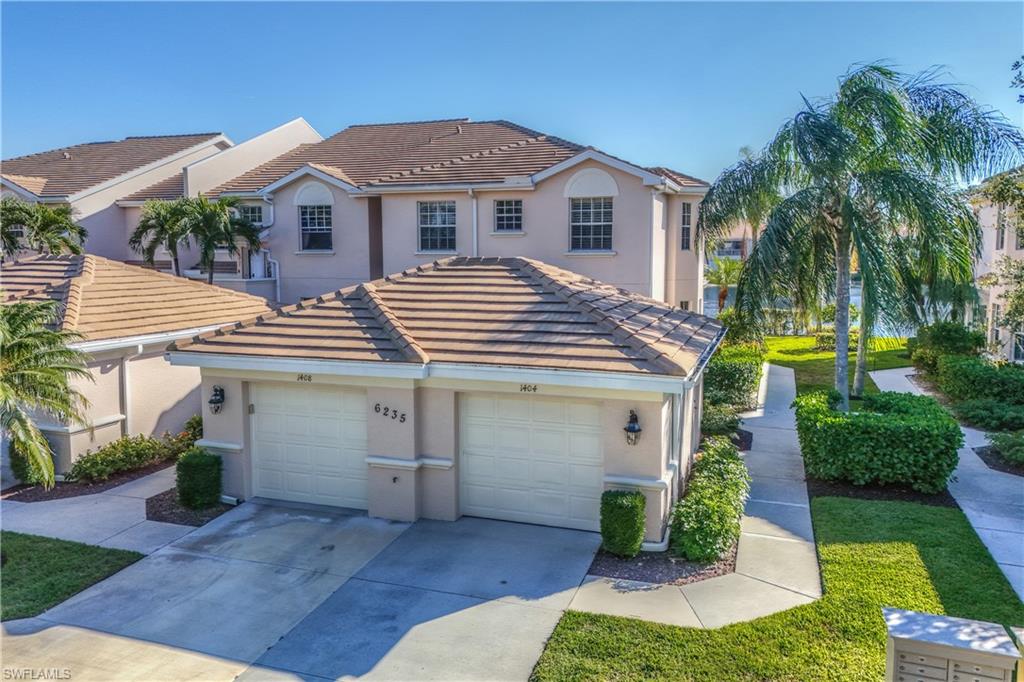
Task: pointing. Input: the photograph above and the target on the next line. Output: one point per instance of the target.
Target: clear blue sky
(684, 85)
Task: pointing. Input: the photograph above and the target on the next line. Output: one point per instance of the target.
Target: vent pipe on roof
(67, 156)
(458, 128)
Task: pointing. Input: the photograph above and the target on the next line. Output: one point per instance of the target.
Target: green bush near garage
(124, 454)
(199, 478)
(933, 341)
(966, 377)
(623, 518)
(706, 522)
(896, 438)
(990, 414)
(733, 374)
(719, 420)
(826, 339)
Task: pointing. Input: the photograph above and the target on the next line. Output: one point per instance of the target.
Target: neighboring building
(127, 316)
(494, 387)
(1000, 237)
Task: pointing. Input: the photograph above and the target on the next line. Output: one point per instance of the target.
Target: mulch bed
(744, 440)
(818, 488)
(993, 460)
(36, 493)
(660, 567)
(165, 507)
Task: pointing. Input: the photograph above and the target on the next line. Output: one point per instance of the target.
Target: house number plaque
(307, 378)
(389, 412)
(527, 388)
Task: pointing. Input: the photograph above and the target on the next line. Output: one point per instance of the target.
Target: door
(531, 459)
(309, 444)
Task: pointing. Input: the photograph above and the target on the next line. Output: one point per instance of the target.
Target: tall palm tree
(14, 213)
(845, 175)
(724, 273)
(36, 368)
(161, 225)
(49, 229)
(218, 225)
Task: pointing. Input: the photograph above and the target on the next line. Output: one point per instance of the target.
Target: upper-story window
(315, 228)
(252, 213)
(730, 248)
(508, 215)
(1000, 229)
(436, 225)
(685, 226)
(590, 224)
(994, 333)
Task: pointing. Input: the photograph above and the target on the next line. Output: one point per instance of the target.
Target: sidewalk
(992, 500)
(113, 518)
(776, 563)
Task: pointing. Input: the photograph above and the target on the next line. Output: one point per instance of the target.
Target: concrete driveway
(277, 592)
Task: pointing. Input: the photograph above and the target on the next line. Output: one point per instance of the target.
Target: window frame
(242, 208)
(994, 334)
(686, 226)
(437, 242)
(326, 213)
(592, 225)
(499, 216)
(1000, 229)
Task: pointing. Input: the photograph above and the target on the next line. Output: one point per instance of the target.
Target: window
(684, 305)
(1000, 230)
(508, 215)
(684, 229)
(590, 224)
(730, 248)
(315, 228)
(251, 212)
(994, 321)
(1018, 347)
(437, 225)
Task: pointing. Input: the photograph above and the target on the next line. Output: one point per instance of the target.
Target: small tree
(14, 213)
(1009, 273)
(218, 225)
(724, 273)
(48, 229)
(160, 225)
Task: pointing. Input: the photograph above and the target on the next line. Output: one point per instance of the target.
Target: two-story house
(1001, 237)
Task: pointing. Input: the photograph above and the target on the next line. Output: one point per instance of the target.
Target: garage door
(309, 444)
(534, 460)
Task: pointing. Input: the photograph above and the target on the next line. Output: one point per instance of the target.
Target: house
(498, 387)
(127, 316)
(1001, 237)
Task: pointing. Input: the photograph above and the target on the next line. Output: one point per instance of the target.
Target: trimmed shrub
(623, 517)
(706, 522)
(826, 339)
(990, 414)
(719, 420)
(828, 313)
(944, 338)
(733, 374)
(24, 469)
(965, 377)
(198, 478)
(740, 328)
(192, 432)
(1009, 445)
(898, 438)
(124, 454)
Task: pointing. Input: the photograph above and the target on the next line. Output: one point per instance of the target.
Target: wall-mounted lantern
(216, 400)
(633, 429)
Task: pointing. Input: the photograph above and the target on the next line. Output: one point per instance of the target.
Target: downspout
(275, 267)
(476, 236)
(126, 389)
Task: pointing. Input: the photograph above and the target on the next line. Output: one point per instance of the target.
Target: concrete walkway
(992, 500)
(113, 518)
(776, 564)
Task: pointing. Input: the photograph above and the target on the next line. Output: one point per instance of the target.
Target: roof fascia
(395, 370)
(646, 176)
(302, 171)
(101, 345)
(406, 188)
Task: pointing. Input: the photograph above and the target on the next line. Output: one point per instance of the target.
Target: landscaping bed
(993, 460)
(661, 567)
(743, 440)
(894, 493)
(25, 492)
(166, 508)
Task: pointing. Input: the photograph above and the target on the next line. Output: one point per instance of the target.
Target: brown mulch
(36, 493)
(993, 460)
(744, 440)
(166, 508)
(818, 488)
(660, 567)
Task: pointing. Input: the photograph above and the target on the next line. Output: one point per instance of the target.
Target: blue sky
(684, 85)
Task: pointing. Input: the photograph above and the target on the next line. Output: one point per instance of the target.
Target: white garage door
(310, 444)
(533, 460)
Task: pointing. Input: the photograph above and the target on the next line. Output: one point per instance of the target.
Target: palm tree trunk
(862, 347)
(723, 295)
(209, 272)
(842, 326)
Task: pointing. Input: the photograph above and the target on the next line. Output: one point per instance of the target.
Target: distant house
(1000, 237)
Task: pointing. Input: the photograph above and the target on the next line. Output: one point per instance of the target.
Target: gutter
(102, 345)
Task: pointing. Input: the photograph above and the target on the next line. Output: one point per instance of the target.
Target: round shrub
(623, 517)
(965, 377)
(23, 468)
(1009, 445)
(991, 414)
(826, 339)
(719, 420)
(706, 522)
(944, 338)
(198, 477)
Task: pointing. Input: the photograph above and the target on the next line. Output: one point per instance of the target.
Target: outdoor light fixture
(216, 400)
(633, 429)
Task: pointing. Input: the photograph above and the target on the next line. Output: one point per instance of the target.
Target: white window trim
(608, 251)
(419, 227)
(522, 211)
(315, 230)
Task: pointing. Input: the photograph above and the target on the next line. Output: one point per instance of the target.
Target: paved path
(992, 500)
(776, 564)
(113, 518)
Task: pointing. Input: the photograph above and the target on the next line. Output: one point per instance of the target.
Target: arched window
(315, 203)
(591, 206)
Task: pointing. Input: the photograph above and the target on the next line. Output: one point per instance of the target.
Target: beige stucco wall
(988, 262)
(163, 397)
(684, 278)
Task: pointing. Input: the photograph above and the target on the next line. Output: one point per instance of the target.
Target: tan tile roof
(681, 179)
(169, 188)
(491, 311)
(105, 299)
(68, 170)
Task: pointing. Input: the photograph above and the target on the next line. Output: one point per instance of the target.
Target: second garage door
(309, 444)
(533, 460)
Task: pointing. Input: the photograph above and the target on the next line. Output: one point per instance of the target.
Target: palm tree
(724, 274)
(36, 368)
(161, 225)
(14, 213)
(218, 225)
(848, 174)
(45, 228)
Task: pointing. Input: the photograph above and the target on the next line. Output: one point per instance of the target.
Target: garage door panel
(586, 478)
(584, 446)
(584, 414)
(548, 442)
(550, 474)
(477, 406)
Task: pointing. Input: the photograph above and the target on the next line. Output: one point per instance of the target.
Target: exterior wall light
(216, 400)
(633, 429)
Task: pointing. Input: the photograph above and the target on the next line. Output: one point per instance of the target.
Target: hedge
(719, 420)
(198, 478)
(898, 438)
(943, 338)
(124, 454)
(1009, 445)
(826, 339)
(965, 377)
(623, 517)
(706, 522)
(990, 414)
(733, 374)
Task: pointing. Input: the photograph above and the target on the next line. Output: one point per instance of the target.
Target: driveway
(275, 592)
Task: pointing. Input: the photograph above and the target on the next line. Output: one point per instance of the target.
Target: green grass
(40, 572)
(872, 553)
(814, 368)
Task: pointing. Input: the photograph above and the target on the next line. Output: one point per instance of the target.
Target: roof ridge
(454, 160)
(74, 293)
(463, 119)
(405, 341)
(169, 277)
(600, 317)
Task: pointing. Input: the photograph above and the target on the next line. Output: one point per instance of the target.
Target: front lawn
(40, 572)
(872, 553)
(815, 369)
